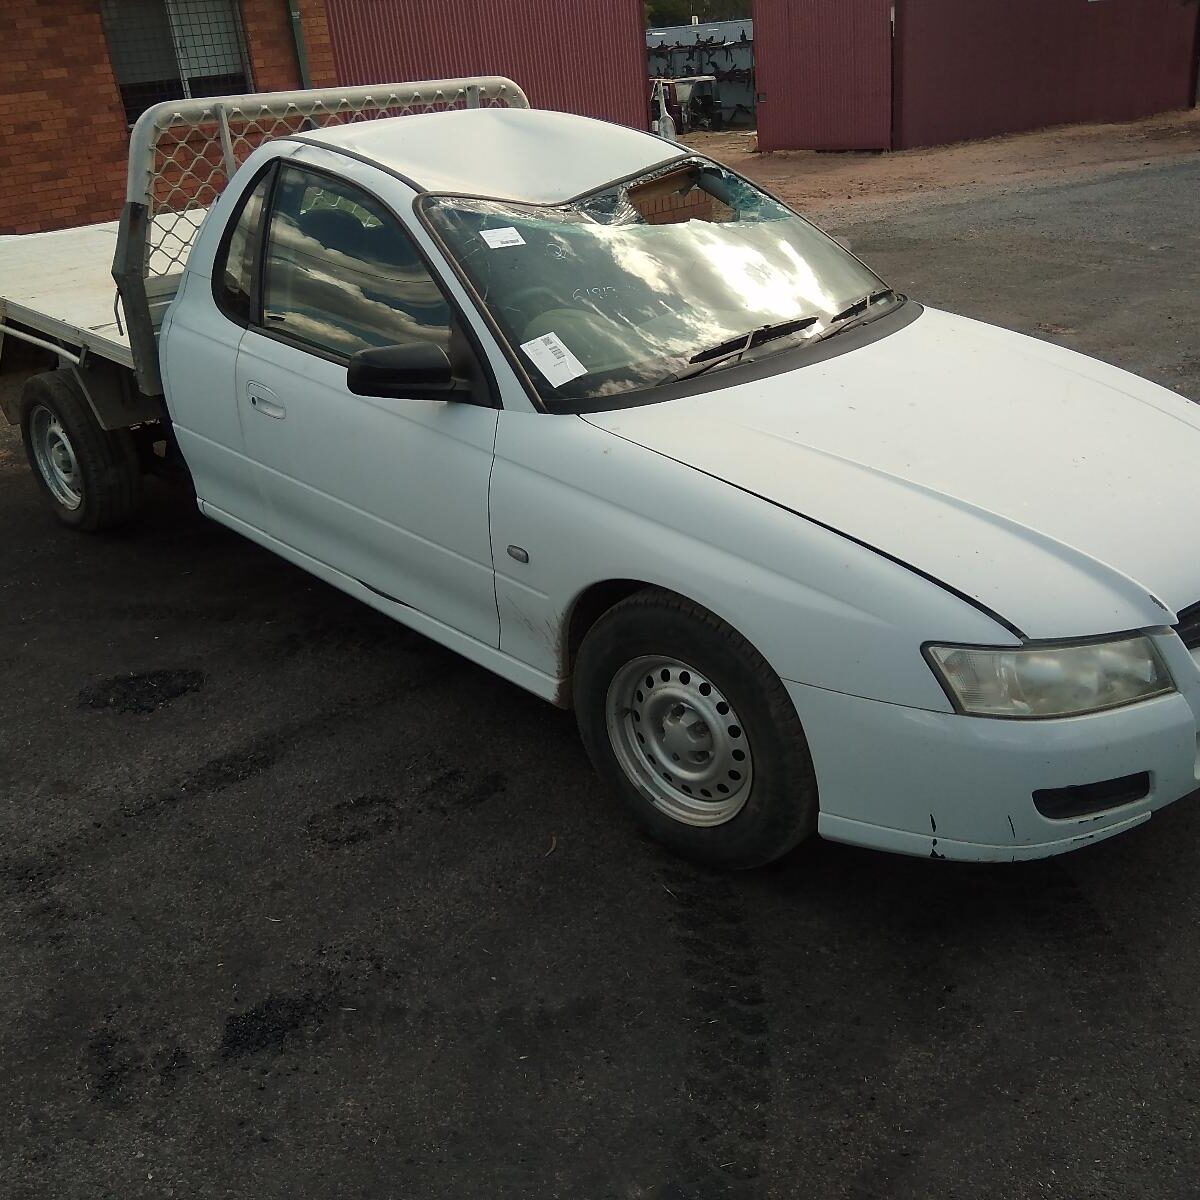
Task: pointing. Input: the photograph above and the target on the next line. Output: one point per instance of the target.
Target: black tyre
(687, 722)
(90, 476)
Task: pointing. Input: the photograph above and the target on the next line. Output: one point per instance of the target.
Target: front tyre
(90, 476)
(687, 722)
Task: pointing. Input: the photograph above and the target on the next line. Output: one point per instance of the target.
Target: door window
(342, 275)
(234, 271)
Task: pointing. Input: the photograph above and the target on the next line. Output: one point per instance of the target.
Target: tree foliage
(680, 12)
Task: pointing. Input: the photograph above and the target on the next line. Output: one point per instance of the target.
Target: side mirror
(414, 371)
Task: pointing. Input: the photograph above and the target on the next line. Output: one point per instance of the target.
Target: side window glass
(342, 275)
(235, 265)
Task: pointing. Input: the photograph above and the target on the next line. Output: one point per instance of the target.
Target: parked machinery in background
(689, 104)
(722, 51)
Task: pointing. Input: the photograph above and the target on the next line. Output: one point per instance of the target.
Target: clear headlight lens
(1051, 681)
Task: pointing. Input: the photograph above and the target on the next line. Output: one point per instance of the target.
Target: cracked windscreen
(629, 286)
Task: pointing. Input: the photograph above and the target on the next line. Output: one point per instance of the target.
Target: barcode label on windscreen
(497, 239)
(553, 359)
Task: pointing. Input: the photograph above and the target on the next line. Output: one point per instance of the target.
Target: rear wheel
(689, 724)
(90, 476)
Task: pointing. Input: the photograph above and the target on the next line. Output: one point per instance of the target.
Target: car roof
(530, 155)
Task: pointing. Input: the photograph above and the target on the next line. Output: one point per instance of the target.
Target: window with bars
(171, 49)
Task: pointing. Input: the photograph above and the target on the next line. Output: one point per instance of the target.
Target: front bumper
(941, 785)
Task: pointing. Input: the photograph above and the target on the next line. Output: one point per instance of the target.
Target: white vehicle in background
(599, 414)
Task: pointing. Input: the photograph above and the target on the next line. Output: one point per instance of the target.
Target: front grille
(1188, 626)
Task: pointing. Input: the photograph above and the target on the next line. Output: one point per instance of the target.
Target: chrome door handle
(264, 402)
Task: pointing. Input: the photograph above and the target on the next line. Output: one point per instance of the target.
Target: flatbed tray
(60, 284)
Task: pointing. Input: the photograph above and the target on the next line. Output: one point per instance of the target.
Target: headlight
(1050, 680)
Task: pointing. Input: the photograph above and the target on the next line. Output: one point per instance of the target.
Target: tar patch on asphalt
(272, 1024)
(355, 820)
(140, 693)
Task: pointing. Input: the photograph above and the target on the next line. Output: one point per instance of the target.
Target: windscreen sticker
(499, 238)
(553, 359)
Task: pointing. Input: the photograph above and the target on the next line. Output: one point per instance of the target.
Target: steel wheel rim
(679, 740)
(55, 458)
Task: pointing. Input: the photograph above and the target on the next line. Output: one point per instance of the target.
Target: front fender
(587, 506)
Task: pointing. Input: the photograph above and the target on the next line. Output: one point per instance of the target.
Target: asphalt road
(298, 904)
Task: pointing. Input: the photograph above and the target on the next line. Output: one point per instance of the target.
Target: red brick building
(64, 111)
(74, 74)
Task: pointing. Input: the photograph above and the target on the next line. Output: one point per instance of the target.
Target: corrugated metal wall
(584, 56)
(824, 70)
(976, 68)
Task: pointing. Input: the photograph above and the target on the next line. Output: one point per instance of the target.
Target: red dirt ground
(838, 183)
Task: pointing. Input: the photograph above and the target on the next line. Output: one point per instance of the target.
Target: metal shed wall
(583, 56)
(975, 68)
(824, 71)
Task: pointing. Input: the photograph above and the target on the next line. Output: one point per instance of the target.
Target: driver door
(390, 492)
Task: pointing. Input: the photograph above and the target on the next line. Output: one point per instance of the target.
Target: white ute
(600, 414)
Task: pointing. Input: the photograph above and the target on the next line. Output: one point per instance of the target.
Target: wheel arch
(19, 362)
(600, 597)
(585, 610)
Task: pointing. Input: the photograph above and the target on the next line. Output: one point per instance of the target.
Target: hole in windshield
(676, 197)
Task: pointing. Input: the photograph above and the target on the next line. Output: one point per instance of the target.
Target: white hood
(1060, 492)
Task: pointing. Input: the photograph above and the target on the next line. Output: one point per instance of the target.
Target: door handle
(263, 400)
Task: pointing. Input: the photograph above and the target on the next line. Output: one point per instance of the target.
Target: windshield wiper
(854, 314)
(735, 347)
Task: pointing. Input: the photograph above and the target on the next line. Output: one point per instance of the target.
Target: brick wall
(672, 210)
(672, 198)
(62, 128)
(63, 137)
(273, 51)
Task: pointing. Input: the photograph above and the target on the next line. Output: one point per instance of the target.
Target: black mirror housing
(413, 371)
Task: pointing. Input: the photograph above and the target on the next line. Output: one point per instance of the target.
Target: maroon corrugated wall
(583, 56)
(824, 74)
(976, 68)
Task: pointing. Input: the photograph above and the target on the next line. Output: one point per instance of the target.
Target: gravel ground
(839, 184)
(298, 904)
